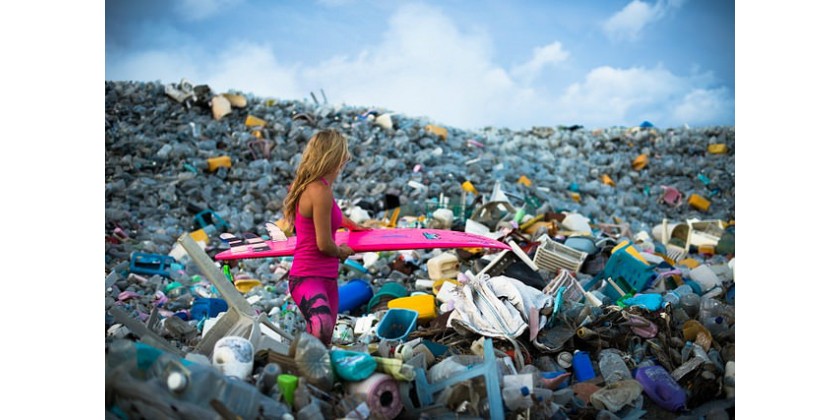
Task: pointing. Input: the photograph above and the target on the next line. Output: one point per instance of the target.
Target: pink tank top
(309, 261)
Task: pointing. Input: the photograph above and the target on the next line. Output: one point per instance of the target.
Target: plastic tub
(392, 289)
(424, 305)
(397, 324)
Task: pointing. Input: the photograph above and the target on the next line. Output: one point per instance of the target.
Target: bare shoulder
(319, 193)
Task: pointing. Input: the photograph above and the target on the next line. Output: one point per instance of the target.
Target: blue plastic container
(582, 366)
(150, 264)
(397, 324)
(353, 294)
(207, 308)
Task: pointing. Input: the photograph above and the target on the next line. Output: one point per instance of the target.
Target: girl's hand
(344, 251)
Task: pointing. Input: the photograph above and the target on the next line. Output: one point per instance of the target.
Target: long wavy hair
(325, 152)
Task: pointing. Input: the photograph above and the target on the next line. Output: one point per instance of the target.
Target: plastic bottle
(200, 384)
(613, 368)
(690, 303)
(710, 307)
(718, 326)
(582, 366)
(517, 399)
(660, 387)
(674, 296)
(268, 378)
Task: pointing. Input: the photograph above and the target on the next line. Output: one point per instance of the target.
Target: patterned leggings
(317, 299)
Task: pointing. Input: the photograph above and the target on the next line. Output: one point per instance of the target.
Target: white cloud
(706, 107)
(543, 56)
(629, 96)
(195, 10)
(425, 65)
(629, 22)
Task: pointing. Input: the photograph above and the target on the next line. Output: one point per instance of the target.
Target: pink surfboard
(374, 240)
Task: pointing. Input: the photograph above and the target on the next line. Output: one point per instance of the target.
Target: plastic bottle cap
(525, 391)
(564, 359)
(176, 381)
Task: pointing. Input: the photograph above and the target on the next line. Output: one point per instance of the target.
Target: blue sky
(467, 64)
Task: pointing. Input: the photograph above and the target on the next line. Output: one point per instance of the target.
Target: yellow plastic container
(640, 162)
(699, 202)
(469, 187)
(718, 149)
(690, 263)
(218, 162)
(607, 180)
(423, 304)
(252, 121)
(440, 131)
(245, 285)
(200, 236)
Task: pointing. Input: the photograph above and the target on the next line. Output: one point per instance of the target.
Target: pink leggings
(317, 299)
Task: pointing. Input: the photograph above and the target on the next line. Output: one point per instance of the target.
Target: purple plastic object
(661, 387)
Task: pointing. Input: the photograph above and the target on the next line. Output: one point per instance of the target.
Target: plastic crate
(553, 256)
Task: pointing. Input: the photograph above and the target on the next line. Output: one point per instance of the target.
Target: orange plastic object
(706, 249)
(607, 180)
(218, 162)
(524, 181)
(718, 149)
(640, 162)
(252, 121)
(699, 202)
(440, 131)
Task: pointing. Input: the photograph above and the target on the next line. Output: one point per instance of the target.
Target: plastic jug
(661, 387)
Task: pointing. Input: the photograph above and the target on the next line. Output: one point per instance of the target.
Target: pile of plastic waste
(616, 299)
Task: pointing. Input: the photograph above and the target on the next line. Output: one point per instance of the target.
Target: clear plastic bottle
(613, 368)
(690, 303)
(517, 399)
(200, 384)
(718, 326)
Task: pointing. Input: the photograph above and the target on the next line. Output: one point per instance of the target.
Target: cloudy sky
(467, 64)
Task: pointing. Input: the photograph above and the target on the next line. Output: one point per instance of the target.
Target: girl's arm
(348, 223)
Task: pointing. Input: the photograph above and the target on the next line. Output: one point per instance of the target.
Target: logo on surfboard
(429, 235)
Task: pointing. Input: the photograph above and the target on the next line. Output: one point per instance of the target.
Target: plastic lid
(564, 359)
(525, 391)
(176, 381)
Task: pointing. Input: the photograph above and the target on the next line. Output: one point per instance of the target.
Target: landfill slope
(176, 166)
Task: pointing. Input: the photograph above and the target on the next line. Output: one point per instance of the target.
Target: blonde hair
(325, 152)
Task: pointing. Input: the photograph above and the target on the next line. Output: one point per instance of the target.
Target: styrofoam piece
(553, 256)
(241, 319)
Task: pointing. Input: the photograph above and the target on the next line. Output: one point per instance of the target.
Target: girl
(310, 206)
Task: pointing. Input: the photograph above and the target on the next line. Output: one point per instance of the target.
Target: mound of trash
(615, 299)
